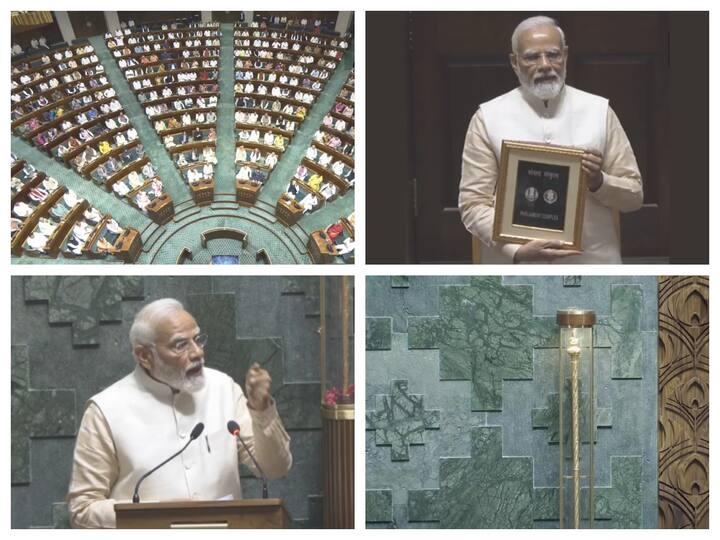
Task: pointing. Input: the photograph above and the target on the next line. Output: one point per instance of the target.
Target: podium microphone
(234, 430)
(197, 430)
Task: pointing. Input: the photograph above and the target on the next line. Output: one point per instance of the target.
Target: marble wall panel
(482, 352)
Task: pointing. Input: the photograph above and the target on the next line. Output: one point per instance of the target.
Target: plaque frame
(504, 230)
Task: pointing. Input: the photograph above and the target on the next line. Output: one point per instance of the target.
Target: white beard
(543, 90)
(177, 377)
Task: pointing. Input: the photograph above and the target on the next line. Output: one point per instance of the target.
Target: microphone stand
(194, 435)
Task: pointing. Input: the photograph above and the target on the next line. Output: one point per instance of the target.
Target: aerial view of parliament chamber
(186, 141)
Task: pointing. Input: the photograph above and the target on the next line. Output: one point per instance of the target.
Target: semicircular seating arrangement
(185, 143)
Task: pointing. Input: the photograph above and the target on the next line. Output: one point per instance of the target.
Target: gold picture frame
(540, 194)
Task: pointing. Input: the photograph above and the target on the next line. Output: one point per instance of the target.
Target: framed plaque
(540, 194)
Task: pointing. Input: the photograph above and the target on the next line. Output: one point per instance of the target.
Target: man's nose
(195, 350)
(544, 62)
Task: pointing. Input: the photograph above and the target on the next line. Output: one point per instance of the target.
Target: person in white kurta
(141, 420)
(545, 110)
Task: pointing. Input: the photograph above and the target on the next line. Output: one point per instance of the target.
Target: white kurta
(574, 118)
(138, 422)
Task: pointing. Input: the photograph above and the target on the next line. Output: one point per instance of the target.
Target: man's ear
(143, 355)
(513, 61)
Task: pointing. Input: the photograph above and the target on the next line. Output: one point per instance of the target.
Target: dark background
(428, 72)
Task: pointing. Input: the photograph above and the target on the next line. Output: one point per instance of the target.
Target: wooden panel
(228, 16)
(148, 17)
(470, 83)
(88, 23)
(23, 35)
(389, 173)
(683, 446)
(338, 457)
(640, 107)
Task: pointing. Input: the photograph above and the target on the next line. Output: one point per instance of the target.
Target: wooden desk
(224, 232)
(241, 514)
(161, 210)
(288, 211)
(246, 192)
(320, 251)
(128, 246)
(203, 191)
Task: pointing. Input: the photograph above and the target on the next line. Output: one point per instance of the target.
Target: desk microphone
(197, 430)
(234, 430)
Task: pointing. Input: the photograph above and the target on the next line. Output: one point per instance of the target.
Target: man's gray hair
(532, 22)
(142, 331)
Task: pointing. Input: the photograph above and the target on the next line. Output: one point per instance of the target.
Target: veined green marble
(423, 505)
(378, 505)
(83, 301)
(486, 490)
(34, 413)
(378, 332)
(621, 503)
(487, 333)
(622, 333)
(500, 336)
(400, 419)
(423, 332)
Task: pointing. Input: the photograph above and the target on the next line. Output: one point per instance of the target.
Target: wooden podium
(242, 514)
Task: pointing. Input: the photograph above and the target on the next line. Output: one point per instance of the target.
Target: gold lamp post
(576, 413)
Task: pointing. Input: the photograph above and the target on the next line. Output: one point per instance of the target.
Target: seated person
(338, 168)
(22, 209)
(92, 215)
(271, 160)
(208, 171)
(36, 242)
(193, 175)
(142, 200)
(121, 188)
(244, 173)
(324, 159)
(328, 190)
(301, 172)
(209, 155)
(315, 181)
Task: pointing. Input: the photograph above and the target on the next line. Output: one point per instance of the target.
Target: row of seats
(84, 126)
(326, 172)
(48, 219)
(278, 79)
(174, 75)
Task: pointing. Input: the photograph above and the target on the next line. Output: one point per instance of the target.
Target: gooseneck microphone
(197, 430)
(234, 430)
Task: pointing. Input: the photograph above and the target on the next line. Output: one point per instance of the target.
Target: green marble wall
(69, 341)
(462, 400)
